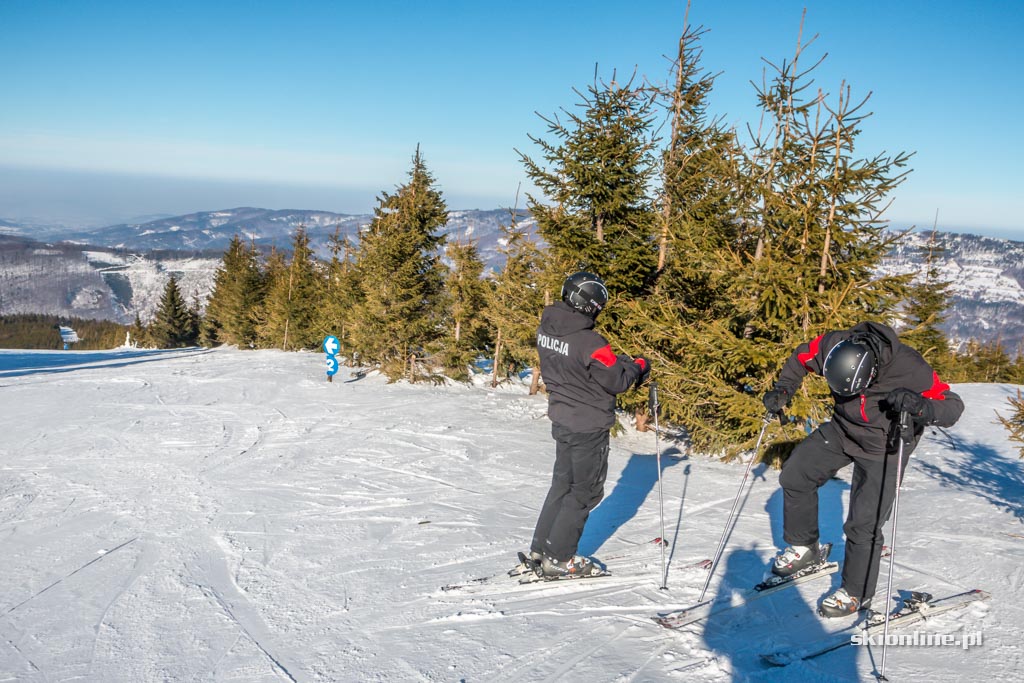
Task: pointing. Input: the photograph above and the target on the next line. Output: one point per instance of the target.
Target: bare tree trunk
(677, 107)
(642, 419)
(287, 320)
(832, 209)
(535, 382)
(497, 355)
(748, 329)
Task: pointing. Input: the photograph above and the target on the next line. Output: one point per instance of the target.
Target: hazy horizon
(83, 199)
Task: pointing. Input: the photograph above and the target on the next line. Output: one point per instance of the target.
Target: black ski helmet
(850, 367)
(585, 292)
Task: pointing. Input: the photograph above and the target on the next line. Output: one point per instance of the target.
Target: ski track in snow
(224, 515)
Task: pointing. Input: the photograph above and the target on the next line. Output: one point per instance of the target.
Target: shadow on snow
(638, 479)
(777, 621)
(980, 469)
(21, 363)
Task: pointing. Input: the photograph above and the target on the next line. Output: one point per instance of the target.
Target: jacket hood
(560, 319)
(882, 339)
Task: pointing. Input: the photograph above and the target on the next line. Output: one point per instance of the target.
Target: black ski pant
(577, 486)
(813, 462)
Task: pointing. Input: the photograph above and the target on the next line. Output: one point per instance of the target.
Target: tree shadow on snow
(981, 470)
(18, 364)
(638, 479)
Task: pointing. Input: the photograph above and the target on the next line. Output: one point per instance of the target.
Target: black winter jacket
(580, 371)
(863, 419)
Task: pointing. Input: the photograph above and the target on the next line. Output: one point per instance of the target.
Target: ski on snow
(773, 584)
(919, 607)
(526, 571)
(530, 572)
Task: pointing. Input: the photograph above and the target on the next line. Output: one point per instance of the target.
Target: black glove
(914, 404)
(776, 400)
(645, 369)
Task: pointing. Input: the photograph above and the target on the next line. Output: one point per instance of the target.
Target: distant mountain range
(119, 271)
(213, 230)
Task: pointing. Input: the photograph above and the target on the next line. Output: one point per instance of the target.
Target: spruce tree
(175, 324)
(1014, 424)
(925, 310)
(401, 276)
(782, 238)
(812, 240)
(138, 334)
(594, 170)
(986, 362)
(341, 293)
(289, 312)
(515, 302)
(238, 290)
(270, 328)
(466, 331)
(820, 232)
(699, 230)
(597, 214)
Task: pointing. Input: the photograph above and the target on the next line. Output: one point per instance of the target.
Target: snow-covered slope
(225, 515)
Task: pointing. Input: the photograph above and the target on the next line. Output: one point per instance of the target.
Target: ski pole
(653, 405)
(904, 417)
(736, 501)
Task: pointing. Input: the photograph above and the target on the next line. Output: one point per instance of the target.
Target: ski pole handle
(906, 432)
(652, 398)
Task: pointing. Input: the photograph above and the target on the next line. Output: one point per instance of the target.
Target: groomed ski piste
(219, 515)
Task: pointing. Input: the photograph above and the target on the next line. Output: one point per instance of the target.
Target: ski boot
(550, 568)
(842, 604)
(794, 558)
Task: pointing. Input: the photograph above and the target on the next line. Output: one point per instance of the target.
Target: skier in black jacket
(873, 378)
(582, 376)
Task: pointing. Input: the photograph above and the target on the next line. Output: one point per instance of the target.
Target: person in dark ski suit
(873, 378)
(582, 375)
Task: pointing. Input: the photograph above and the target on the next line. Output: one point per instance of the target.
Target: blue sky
(113, 110)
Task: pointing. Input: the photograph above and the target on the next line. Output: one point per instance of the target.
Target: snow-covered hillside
(986, 283)
(112, 274)
(98, 284)
(224, 515)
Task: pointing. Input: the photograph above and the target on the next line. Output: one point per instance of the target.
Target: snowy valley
(120, 271)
